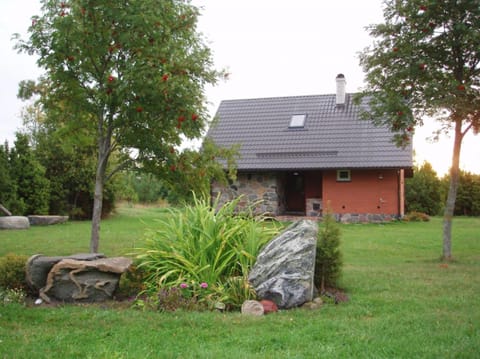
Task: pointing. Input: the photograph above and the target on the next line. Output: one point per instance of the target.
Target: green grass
(404, 303)
(118, 235)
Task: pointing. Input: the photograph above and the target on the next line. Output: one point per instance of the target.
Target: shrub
(206, 243)
(131, 282)
(416, 217)
(328, 260)
(12, 271)
(12, 295)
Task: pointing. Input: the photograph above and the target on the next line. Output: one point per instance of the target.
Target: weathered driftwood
(4, 210)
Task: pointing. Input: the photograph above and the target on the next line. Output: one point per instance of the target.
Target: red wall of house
(369, 191)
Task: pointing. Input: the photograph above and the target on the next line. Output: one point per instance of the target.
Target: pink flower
(203, 285)
(184, 285)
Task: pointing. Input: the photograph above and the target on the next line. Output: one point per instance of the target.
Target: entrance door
(295, 192)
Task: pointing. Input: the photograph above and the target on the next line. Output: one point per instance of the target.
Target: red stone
(269, 306)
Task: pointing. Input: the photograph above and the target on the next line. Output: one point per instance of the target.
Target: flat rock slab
(37, 220)
(284, 270)
(38, 266)
(72, 280)
(14, 222)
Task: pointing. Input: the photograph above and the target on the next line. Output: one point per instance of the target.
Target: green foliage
(204, 243)
(12, 295)
(142, 187)
(328, 260)
(423, 192)
(131, 282)
(12, 271)
(8, 187)
(424, 61)
(468, 194)
(425, 64)
(132, 74)
(33, 189)
(416, 217)
(195, 170)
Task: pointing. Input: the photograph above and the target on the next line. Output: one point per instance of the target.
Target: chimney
(341, 82)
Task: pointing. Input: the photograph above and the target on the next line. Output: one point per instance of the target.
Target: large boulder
(72, 280)
(36, 220)
(14, 222)
(38, 266)
(284, 270)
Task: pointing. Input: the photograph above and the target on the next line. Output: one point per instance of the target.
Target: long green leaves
(204, 243)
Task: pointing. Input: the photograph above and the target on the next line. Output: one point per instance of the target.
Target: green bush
(12, 295)
(416, 217)
(131, 282)
(328, 260)
(12, 271)
(204, 243)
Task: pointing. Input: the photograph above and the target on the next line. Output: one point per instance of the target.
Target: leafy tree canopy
(130, 72)
(424, 63)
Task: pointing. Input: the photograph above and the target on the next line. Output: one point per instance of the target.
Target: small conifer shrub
(328, 260)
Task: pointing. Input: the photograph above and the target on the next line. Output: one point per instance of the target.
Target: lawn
(404, 303)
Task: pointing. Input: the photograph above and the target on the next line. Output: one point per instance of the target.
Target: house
(299, 153)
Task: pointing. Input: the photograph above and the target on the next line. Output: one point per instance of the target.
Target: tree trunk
(97, 211)
(452, 192)
(103, 155)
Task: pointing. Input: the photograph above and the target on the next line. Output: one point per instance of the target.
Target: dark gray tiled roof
(332, 137)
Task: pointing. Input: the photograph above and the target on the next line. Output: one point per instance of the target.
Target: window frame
(296, 118)
(344, 175)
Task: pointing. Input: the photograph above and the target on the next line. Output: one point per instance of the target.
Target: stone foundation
(254, 187)
(365, 218)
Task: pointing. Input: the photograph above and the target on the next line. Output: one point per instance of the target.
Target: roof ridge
(286, 97)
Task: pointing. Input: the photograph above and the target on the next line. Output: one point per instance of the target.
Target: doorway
(295, 193)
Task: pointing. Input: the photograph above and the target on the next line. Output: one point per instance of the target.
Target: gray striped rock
(285, 267)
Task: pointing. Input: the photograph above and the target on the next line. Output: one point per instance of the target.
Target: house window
(343, 176)
(297, 121)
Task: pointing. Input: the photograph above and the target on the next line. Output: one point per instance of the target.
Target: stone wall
(254, 187)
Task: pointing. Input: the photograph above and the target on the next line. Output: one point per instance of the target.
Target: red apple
(400, 113)
(422, 66)
(395, 49)
(461, 87)
(111, 78)
(139, 109)
(173, 168)
(165, 77)
(181, 118)
(109, 91)
(194, 117)
(423, 8)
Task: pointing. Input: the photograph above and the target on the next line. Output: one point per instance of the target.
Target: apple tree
(424, 66)
(132, 73)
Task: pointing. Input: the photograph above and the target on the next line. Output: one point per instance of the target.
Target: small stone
(269, 306)
(38, 301)
(252, 307)
(219, 306)
(315, 304)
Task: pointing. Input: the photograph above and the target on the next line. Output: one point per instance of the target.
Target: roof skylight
(297, 121)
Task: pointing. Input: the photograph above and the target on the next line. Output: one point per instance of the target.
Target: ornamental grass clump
(205, 246)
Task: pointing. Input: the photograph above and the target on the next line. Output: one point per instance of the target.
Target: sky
(269, 47)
